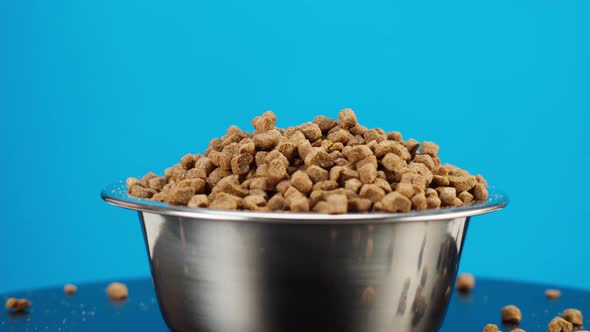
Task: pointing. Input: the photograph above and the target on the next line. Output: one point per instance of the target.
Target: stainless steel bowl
(239, 271)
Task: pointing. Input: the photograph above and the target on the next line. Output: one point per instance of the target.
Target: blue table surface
(90, 309)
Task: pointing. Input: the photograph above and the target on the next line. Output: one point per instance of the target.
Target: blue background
(91, 92)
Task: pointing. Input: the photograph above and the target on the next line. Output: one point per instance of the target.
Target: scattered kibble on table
(117, 291)
(552, 294)
(491, 328)
(465, 283)
(70, 289)
(559, 324)
(17, 305)
(573, 316)
(511, 314)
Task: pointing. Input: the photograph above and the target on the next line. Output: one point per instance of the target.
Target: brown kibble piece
(311, 131)
(340, 136)
(141, 192)
(265, 122)
(412, 145)
(188, 161)
(518, 330)
(253, 202)
(358, 130)
(240, 164)
(371, 192)
(205, 165)
(317, 174)
(383, 184)
(429, 148)
(376, 135)
(266, 140)
(180, 195)
(511, 314)
(198, 201)
(359, 205)
(465, 197)
(230, 185)
(393, 162)
(334, 204)
(573, 316)
(419, 201)
(425, 159)
(298, 204)
(70, 289)
(346, 118)
(394, 136)
(276, 203)
(17, 305)
(301, 181)
(318, 157)
(440, 181)
(405, 189)
(447, 195)
(462, 183)
(396, 202)
(368, 160)
(368, 173)
(491, 328)
(465, 283)
(196, 185)
(480, 179)
(559, 324)
(324, 123)
(224, 201)
(358, 153)
(552, 294)
(480, 192)
(117, 291)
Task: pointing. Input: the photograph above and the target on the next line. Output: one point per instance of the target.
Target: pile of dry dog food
(325, 166)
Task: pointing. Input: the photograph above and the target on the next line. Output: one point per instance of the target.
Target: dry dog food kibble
(491, 328)
(573, 316)
(552, 294)
(559, 324)
(70, 289)
(511, 314)
(326, 166)
(465, 282)
(17, 305)
(518, 330)
(117, 291)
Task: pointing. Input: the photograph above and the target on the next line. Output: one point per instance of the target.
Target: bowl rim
(116, 194)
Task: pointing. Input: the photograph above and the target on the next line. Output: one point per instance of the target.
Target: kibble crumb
(491, 328)
(17, 305)
(346, 118)
(511, 314)
(70, 289)
(117, 291)
(552, 294)
(465, 283)
(559, 324)
(573, 316)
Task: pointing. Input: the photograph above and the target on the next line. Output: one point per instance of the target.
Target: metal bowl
(240, 271)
